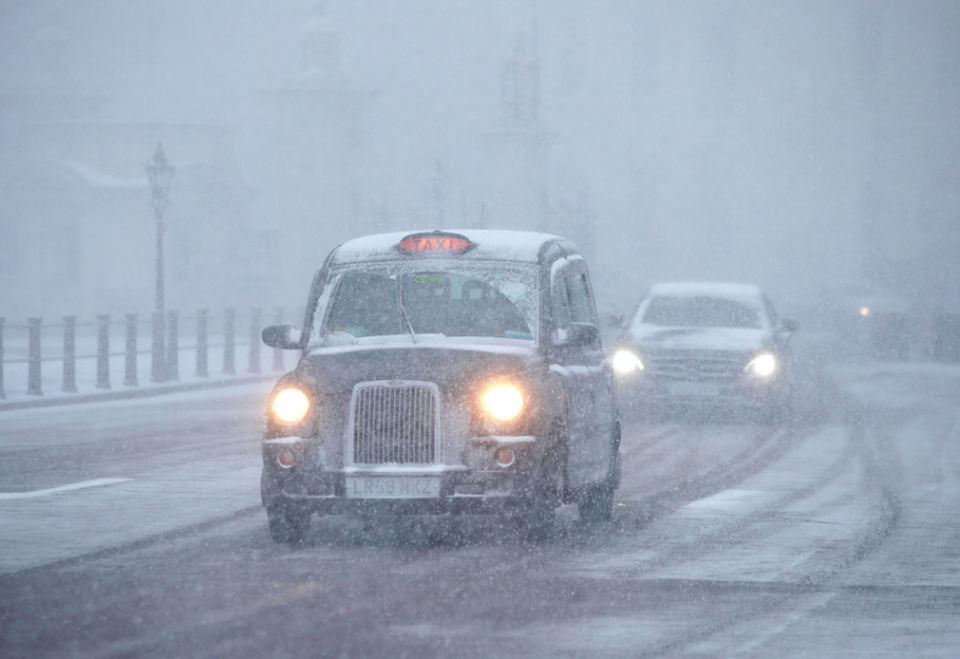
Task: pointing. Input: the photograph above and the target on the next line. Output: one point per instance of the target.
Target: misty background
(809, 147)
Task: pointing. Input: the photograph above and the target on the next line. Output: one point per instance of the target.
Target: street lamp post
(160, 173)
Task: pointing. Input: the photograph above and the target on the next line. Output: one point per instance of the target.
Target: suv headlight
(763, 365)
(624, 361)
(503, 402)
(290, 405)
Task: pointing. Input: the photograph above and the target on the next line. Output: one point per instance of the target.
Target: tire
(288, 523)
(596, 504)
(538, 511)
(536, 523)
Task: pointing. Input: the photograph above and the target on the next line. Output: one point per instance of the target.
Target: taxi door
(586, 375)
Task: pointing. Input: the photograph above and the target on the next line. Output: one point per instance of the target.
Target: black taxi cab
(441, 373)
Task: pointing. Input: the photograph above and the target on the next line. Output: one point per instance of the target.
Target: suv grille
(394, 424)
(697, 365)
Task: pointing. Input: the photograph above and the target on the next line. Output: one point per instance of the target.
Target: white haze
(809, 147)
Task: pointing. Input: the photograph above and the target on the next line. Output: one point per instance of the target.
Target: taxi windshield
(497, 302)
(700, 312)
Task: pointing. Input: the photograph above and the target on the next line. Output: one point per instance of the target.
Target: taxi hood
(334, 370)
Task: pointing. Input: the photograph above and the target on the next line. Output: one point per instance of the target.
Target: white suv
(710, 345)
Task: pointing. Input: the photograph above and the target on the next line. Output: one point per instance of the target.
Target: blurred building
(518, 149)
(77, 231)
(315, 201)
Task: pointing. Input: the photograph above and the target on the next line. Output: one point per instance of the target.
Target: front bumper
(452, 488)
(665, 392)
(326, 492)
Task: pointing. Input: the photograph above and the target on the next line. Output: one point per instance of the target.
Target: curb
(132, 393)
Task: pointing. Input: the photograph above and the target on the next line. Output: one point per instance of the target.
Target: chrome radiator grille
(695, 365)
(394, 424)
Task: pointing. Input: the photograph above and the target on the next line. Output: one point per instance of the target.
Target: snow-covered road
(81, 479)
(835, 536)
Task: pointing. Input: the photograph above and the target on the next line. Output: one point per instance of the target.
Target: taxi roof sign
(435, 242)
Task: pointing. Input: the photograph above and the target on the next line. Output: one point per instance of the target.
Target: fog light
(504, 456)
(286, 458)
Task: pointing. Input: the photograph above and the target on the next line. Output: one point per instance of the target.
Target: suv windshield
(700, 312)
(500, 302)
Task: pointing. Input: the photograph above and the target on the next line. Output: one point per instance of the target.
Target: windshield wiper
(403, 311)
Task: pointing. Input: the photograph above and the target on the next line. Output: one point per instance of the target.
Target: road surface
(133, 528)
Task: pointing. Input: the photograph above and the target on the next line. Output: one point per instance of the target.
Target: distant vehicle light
(290, 405)
(763, 365)
(503, 402)
(435, 242)
(864, 311)
(625, 361)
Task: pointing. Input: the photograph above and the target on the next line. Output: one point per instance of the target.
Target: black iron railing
(70, 342)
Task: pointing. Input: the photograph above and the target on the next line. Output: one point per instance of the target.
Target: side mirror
(285, 337)
(578, 334)
(789, 325)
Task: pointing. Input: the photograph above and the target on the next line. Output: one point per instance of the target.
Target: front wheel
(596, 504)
(536, 522)
(288, 523)
(538, 512)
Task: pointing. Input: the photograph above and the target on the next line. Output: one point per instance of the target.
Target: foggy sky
(805, 146)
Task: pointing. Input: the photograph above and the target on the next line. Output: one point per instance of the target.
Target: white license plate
(393, 487)
(694, 389)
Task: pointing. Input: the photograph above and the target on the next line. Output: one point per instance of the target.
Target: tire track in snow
(881, 474)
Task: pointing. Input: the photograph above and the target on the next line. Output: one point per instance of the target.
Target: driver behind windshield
(448, 303)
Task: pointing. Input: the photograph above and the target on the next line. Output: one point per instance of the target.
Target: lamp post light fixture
(160, 173)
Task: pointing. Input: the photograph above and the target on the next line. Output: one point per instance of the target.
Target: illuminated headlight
(625, 361)
(503, 402)
(763, 365)
(290, 405)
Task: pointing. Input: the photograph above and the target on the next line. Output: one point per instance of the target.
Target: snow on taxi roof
(740, 292)
(486, 244)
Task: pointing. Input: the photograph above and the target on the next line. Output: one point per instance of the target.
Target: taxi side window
(563, 305)
(580, 304)
(574, 302)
